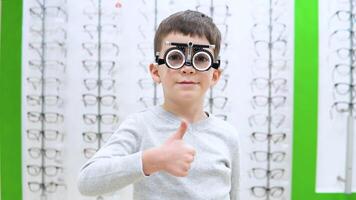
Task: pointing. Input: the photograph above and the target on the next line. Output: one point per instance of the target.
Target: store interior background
(130, 49)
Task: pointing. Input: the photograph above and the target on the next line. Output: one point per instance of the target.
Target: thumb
(181, 131)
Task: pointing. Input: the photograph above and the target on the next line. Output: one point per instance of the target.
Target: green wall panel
(10, 101)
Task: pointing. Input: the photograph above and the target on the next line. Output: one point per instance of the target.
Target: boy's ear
(154, 73)
(216, 77)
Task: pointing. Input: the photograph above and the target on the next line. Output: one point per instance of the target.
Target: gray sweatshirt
(214, 173)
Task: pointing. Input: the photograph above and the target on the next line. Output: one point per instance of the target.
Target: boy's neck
(191, 112)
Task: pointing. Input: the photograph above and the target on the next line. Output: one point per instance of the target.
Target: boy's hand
(177, 156)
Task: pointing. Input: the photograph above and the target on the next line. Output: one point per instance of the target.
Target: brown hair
(191, 23)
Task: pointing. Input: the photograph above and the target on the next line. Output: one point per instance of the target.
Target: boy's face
(185, 84)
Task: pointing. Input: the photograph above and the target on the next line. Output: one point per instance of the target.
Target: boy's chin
(187, 96)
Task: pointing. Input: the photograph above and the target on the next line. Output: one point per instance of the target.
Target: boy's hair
(192, 23)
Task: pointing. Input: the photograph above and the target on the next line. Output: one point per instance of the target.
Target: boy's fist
(178, 156)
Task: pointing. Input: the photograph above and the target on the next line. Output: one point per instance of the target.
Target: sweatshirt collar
(159, 111)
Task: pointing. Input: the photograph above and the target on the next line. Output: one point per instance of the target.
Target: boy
(199, 161)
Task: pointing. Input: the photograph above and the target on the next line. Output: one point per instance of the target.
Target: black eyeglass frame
(192, 48)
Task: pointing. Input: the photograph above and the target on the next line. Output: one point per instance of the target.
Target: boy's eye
(175, 57)
(201, 58)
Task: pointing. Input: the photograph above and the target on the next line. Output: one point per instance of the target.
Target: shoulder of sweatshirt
(136, 116)
(133, 122)
(230, 130)
(225, 126)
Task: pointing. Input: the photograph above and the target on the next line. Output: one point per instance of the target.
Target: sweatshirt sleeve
(235, 174)
(117, 164)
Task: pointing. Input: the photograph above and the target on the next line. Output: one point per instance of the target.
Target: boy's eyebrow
(190, 44)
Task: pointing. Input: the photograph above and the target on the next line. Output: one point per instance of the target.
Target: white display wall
(255, 92)
(336, 94)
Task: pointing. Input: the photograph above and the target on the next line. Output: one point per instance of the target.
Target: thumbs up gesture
(173, 156)
(178, 155)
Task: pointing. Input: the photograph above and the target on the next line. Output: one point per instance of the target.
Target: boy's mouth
(187, 82)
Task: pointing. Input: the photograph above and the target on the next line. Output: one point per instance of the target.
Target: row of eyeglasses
(269, 86)
(342, 60)
(46, 66)
(342, 57)
(145, 53)
(100, 52)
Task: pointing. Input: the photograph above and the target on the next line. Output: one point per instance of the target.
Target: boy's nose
(187, 69)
